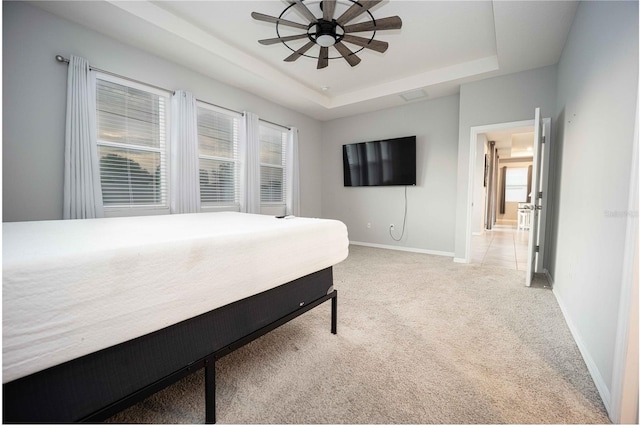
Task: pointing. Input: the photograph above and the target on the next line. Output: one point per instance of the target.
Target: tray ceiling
(441, 45)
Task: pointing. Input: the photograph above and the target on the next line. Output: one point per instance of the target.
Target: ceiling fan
(327, 31)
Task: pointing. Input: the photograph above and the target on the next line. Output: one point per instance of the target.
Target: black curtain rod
(60, 58)
(276, 124)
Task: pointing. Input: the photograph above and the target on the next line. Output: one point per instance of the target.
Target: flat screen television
(380, 163)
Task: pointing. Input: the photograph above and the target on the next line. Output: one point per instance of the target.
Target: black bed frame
(99, 385)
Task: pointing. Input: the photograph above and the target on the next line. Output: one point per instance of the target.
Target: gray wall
(34, 93)
(596, 108)
(431, 204)
(501, 99)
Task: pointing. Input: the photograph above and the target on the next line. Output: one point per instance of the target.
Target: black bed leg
(210, 391)
(334, 314)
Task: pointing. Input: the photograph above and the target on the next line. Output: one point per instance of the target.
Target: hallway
(503, 246)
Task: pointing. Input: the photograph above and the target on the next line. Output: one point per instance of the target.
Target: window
(516, 185)
(218, 156)
(132, 124)
(272, 164)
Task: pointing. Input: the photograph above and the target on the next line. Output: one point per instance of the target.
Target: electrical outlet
(368, 225)
(392, 227)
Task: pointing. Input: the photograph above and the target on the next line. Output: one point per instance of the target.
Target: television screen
(380, 163)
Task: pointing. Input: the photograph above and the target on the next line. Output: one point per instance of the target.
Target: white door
(538, 136)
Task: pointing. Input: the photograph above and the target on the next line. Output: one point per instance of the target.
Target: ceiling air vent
(416, 94)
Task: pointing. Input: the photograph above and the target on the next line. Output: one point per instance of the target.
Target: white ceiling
(441, 45)
(513, 142)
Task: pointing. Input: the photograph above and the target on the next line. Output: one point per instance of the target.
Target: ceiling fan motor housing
(325, 33)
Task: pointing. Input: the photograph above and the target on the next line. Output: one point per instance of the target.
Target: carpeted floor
(421, 340)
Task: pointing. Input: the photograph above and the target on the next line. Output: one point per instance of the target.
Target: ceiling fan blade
(281, 39)
(375, 45)
(303, 9)
(356, 10)
(390, 23)
(267, 18)
(323, 58)
(351, 58)
(297, 54)
(328, 8)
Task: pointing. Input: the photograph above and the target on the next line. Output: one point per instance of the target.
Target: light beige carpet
(421, 340)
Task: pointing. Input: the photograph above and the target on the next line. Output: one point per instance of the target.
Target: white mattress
(72, 287)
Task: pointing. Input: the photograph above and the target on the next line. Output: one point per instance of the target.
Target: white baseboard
(601, 385)
(460, 260)
(408, 249)
(549, 278)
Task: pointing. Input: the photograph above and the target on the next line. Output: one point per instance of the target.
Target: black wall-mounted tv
(380, 163)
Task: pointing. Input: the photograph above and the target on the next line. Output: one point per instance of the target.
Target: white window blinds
(218, 156)
(272, 164)
(132, 144)
(516, 185)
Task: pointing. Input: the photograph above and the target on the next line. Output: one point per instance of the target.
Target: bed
(98, 314)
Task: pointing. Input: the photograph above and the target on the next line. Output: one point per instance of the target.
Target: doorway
(502, 184)
(494, 231)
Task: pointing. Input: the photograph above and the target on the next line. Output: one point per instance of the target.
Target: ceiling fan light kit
(327, 32)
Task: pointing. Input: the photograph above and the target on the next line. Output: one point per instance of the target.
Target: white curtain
(292, 173)
(185, 178)
(250, 160)
(82, 194)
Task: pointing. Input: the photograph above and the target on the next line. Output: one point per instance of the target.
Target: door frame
(473, 139)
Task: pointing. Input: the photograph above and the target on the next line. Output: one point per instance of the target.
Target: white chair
(524, 216)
